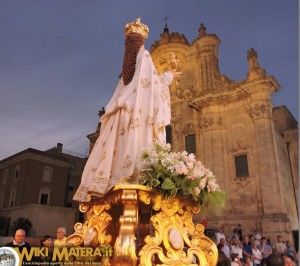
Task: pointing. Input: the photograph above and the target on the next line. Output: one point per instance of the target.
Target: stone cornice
(268, 83)
(243, 90)
(221, 97)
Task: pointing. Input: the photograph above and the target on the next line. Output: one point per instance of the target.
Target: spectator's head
(275, 260)
(220, 247)
(254, 245)
(19, 236)
(222, 240)
(288, 243)
(263, 240)
(247, 260)
(61, 233)
(46, 241)
(246, 239)
(235, 257)
(279, 238)
(235, 241)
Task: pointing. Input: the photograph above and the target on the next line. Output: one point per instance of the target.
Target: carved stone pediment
(188, 129)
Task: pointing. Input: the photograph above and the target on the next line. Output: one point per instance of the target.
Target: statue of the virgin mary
(135, 116)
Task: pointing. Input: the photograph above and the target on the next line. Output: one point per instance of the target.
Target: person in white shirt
(226, 247)
(279, 246)
(219, 235)
(257, 238)
(236, 247)
(257, 256)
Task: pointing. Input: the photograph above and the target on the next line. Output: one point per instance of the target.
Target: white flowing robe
(135, 116)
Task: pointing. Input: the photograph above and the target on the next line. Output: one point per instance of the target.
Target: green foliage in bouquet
(179, 174)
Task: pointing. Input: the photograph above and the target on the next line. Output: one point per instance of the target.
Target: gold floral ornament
(137, 27)
(176, 240)
(179, 174)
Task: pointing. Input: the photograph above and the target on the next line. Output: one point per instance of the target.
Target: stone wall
(45, 219)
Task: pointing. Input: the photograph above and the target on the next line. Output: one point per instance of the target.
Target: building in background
(39, 185)
(234, 130)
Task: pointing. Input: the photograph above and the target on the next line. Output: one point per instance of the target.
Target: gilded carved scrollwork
(125, 245)
(176, 240)
(173, 239)
(93, 232)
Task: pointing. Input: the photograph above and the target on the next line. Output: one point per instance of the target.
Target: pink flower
(212, 185)
(202, 183)
(191, 157)
(182, 170)
(192, 177)
(209, 173)
(199, 171)
(190, 165)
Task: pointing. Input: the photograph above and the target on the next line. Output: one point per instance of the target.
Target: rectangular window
(12, 198)
(190, 143)
(169, 134)
(47, 175)
(241, 166)
(17, 172)
(44, 198)
(5, 174)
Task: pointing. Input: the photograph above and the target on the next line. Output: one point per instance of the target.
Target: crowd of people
(253, 250)
(234, 250)
(46, 241)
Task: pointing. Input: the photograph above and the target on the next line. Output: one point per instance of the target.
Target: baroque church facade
(233, 128)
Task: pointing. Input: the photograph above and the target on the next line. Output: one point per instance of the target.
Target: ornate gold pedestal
(144, 229)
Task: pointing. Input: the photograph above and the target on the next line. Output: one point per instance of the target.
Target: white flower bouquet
(179, 174)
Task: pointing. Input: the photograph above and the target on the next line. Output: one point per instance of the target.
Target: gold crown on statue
(137, 27)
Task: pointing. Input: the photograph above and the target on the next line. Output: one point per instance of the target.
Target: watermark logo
(55, 256)
(9, 257)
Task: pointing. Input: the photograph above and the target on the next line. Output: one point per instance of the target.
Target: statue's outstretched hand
(176, 74)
